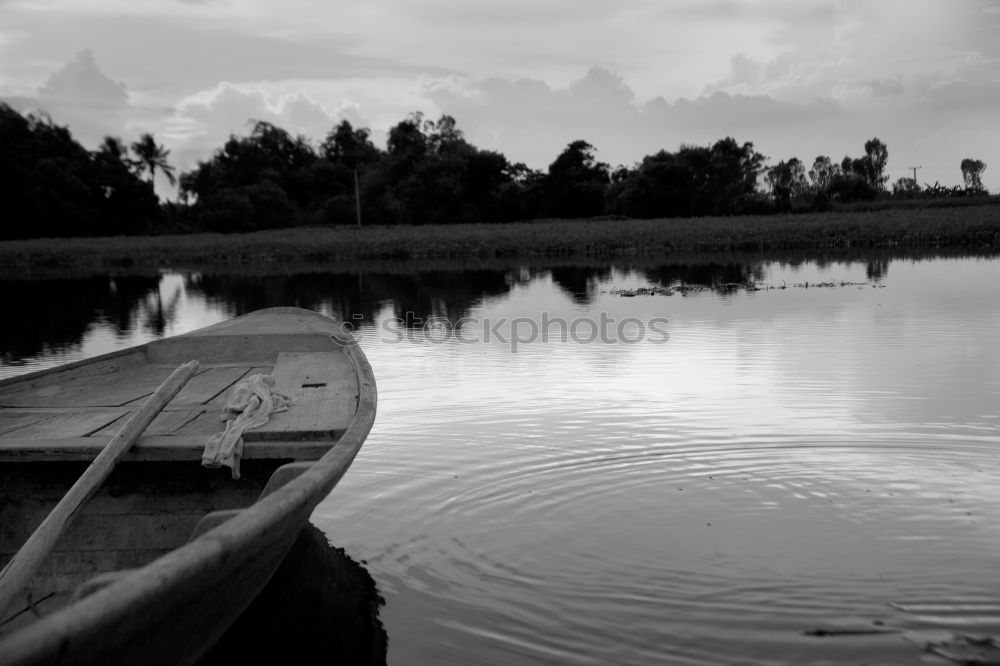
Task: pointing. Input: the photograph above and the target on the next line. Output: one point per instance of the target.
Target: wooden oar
(31, 555)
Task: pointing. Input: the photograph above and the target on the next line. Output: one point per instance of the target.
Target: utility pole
(357, 196)
(914, 172)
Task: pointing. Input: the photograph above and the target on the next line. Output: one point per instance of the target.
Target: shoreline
(974, 228)
(414, 266)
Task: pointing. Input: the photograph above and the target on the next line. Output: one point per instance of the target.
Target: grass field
(973, 228)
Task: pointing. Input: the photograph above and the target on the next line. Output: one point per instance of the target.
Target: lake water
(721, 470)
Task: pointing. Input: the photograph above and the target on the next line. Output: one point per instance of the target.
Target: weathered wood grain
(152, 447)
(283, 475)
(141, 505)
(207, 384)
(324, 393)
(58, 425)
(11, 421)
(112, 362)
(252, 349)
(84, 389)
(171, 610)
(139, 487)
(119, 531)
(165, 423)
(23, 565)
(219, 401)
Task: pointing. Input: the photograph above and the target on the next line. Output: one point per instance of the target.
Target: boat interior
(53, 423)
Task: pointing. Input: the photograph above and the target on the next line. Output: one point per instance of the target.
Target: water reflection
(790, 459)
(723, 278)
(877, 269)
(53, 315)
(358, 296)
(580, 283)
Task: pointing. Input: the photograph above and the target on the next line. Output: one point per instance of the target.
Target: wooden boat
(163, 559)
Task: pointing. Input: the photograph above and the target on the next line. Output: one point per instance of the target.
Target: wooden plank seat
(83, 410)
(169, 591)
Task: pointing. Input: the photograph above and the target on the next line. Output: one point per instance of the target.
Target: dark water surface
(730, 467)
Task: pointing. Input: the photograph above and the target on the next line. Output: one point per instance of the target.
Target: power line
(914, 171)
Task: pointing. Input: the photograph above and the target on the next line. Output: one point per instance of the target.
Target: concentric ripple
(797, 476)
(778, 468)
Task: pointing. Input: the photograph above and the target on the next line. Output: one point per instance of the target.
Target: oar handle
(26, 561)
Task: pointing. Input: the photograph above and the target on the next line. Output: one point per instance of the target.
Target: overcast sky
(526, 77)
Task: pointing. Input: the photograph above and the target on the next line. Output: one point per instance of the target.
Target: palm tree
(113, 151)
(151, 157)
(113, 147)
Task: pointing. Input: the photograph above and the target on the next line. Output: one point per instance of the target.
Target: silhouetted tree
(50, 185)
(787, 179)
(349, 147)
(150, 156)
(720, 179)
(731, 178)
(443, 134)
(849, 186)
(522, 195)
(862, 178)
(662, 185)
(972, 171)
(876, 157)
(269, 171)
(905, 188)
(347, 153)
(128, 205)
(407, 137)
(113, 150)
(575, 182)
(430, 174)
(871, 167)
(823, 172)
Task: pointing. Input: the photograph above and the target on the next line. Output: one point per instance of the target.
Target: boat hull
(181, 551)
(143, 511)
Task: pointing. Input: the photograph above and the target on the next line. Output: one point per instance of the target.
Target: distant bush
(228, 211)
(851, 187)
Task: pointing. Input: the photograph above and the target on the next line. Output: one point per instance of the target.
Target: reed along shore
(971, 227)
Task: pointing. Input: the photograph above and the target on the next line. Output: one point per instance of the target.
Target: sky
(798, 78)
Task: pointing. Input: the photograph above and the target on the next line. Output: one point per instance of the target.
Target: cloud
(176, 55)
(82, 83)
(754, 76)
(201, 125)
(962, 95)
(602, 90)
(524, 77)
(532, 122)
(869, 50)
(885, 87)
(203, 122)
(81, 96)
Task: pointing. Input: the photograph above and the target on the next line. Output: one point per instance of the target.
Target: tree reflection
(877, 269)
(359, 297)
(581, 284)
(54, 315)
(719, 277)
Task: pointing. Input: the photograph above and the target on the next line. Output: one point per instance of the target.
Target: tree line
(428, 173)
